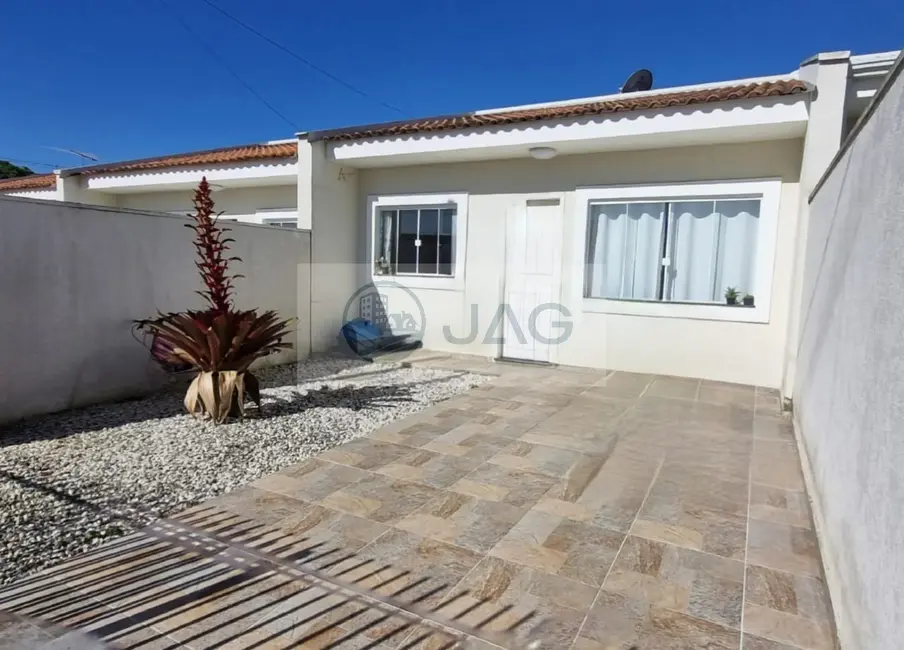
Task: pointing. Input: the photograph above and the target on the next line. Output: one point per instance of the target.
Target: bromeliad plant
(221, 342)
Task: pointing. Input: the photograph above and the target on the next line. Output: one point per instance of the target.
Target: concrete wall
(849, 388)
(73, 277)
(830, 73)
(749, 353)
(236, 202)
(330, 204)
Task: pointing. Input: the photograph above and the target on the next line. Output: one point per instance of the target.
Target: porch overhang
(159, 180)
(769, 118)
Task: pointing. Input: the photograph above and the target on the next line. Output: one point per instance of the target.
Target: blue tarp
(361, 335)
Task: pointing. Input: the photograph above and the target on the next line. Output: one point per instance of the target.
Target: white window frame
(768, 190)
(278, 221)
(273, 216)
(458, 200)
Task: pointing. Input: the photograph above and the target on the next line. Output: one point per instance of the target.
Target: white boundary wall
(73, 277)
(849, 387)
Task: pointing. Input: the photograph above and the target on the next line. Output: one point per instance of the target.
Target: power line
(216, 57)
(30, 162)
(298, 57)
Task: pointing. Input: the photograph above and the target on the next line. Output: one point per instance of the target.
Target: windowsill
(417, 281)
(687, 310)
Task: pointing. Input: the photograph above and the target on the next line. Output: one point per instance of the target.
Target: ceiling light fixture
(542, 153)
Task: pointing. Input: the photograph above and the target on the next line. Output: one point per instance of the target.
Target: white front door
(533, 256)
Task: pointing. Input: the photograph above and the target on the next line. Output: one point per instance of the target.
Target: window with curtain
(682, 251)
(414, 241)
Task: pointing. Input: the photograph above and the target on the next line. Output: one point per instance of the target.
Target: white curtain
(623, 256)
(713, 246)
(386, 251)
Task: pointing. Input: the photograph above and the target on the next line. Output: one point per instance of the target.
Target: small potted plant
(382, 266)
(747, 300)
(731, 296)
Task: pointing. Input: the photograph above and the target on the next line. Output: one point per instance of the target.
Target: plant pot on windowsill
(731, 296)
(747, 300)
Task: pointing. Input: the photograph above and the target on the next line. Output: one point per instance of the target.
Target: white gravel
(72, 480)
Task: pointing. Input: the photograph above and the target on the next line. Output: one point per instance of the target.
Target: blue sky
(123, 79)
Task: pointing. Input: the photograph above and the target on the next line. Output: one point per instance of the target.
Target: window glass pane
(428, 253)
(447, 216)
(713, 247)
(446, 249)
(384, 241)
(624, 250)
(693, 231)
(406, 248)
(739, 222)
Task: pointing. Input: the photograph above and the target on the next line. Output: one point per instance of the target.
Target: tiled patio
(620, 509)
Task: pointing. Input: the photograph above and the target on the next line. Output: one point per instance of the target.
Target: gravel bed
(72, 480)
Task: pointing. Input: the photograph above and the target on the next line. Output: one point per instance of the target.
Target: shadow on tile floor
(210, 579)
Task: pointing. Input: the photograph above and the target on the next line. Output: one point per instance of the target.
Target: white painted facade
(713, 341)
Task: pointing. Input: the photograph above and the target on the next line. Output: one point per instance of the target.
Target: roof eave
(623, 104)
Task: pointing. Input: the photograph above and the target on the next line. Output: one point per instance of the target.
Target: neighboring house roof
(617, 104)
(24, 183)
(243, 153)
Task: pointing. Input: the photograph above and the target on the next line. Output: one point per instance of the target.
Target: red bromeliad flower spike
(211, 246)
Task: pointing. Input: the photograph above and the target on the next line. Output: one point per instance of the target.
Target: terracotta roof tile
(621, 104)
(213, 157)
(24, 183)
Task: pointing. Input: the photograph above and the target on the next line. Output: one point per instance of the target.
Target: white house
(598, 232)
(255, 183)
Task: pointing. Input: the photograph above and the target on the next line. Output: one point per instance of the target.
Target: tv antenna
(81, 154)
(638, 81)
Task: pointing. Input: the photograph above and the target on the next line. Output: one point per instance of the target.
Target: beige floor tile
(380, 498)
(783, 547)
(431, 468)
(366, 453)
(679, 579)
(787, 608)
(463, 520)
(780, 506)
(674, 387)
(752, 642)
(311, 481)
(551, 461)
(619, 622)
(557, 605)
(567, 548)
(513, 486)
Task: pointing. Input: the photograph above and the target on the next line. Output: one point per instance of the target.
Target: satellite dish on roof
(640, 80)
